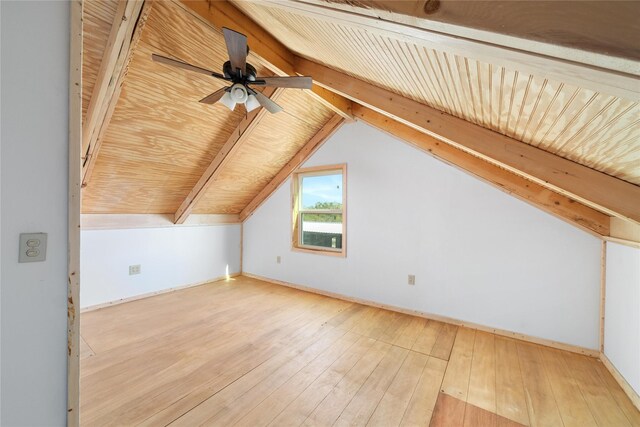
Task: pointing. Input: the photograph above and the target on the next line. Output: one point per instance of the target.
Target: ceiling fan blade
(214, 97)
(185, 66)
(271, 106)
(237, 48)
(301, 82)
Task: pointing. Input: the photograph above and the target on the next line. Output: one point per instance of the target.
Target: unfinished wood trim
(596, 189)
(272, 53)
(444, 319)
(73, 238)
(239, 134)
(126, 221)
(624, 242)
(625, 230)
(603, 290)
(125, 33)
(154, 293)
(575, 213)
(301, 156)
(626, 387)
(599, 79)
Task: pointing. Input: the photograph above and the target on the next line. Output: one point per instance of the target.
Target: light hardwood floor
(249, 353)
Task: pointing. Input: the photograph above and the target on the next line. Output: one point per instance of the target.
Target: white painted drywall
(34, 79)
(169, 257)
(622, 311)
(478, 254)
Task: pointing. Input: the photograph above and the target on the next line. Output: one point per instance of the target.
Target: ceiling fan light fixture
(228, 101)
(252, 103)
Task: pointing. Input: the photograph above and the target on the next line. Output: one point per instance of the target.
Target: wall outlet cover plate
(33, 247)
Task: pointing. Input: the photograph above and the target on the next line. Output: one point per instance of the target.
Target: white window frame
(298, 211)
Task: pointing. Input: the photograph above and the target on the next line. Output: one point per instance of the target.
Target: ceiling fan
(242, 77)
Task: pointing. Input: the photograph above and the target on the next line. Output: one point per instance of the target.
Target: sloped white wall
(169, 257)
(478, 254)
(34, 134)
(622, 311)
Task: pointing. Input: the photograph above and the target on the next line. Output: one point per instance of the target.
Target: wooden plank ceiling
(592, 128)
(160, 139)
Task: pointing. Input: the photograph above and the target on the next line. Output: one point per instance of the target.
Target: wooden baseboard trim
(457, 322)
(154, 293)
(629, 391)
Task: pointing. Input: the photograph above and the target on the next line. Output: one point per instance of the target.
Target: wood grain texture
(585, 125)
(160, 139)
(250, 353)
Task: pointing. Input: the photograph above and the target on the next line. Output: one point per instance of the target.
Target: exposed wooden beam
(556, 204)
(301, 156)
(273, 54)
(621, 84)
(593, 188)
(123, 221)
(125, 33)
(232, 144)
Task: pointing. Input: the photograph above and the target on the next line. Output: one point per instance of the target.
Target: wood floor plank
(510, 399)
(251, 352)
(626, 405)
(448, 412)
(279, 399)
(573, 408)
(482, 379)
(408, 335)
(456, 378)
(365, 401)
(428, 337)
(391, 408)
(298, 410)
(329, 410)
(442, 348)
(423, 401)
(595, 392)
(541, 403)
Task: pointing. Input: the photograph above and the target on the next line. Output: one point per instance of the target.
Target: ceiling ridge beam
(563, 207)
(316, 141)
(129, 21)
(235, 140)
(272, 53)
(589, 186)
(611, 82)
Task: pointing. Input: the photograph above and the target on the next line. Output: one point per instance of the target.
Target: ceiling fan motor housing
(250, 72)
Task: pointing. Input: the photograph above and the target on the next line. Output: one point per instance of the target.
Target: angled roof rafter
(591, 187)
(240, 133)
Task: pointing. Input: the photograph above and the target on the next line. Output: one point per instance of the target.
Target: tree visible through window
(319, 211)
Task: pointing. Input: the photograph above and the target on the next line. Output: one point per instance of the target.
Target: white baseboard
(151, 294)
(502, 332)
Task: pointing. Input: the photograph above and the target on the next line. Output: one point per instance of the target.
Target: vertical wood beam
(316, 141)
(123, 38)
(239, 134)
(603, 290)
(75, 178)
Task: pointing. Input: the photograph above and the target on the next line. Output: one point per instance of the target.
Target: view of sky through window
(321, 189)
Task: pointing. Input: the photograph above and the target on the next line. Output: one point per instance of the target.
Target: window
(319, 214)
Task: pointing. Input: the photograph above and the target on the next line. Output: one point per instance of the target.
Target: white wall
(622, 312)
(478, 254)
(34, 79)
(169, 257)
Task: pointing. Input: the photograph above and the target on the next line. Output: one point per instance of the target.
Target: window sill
(340, 254)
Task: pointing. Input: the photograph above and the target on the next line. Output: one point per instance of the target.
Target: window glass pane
(322, 229)
(322, 192)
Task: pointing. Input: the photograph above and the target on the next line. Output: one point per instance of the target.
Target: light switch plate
(33, 247)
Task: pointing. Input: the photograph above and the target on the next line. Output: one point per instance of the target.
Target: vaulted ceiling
(163, 152)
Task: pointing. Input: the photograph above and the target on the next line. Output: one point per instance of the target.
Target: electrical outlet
(278, 259)
(412, 279)
(33, 247)
(134, 269)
